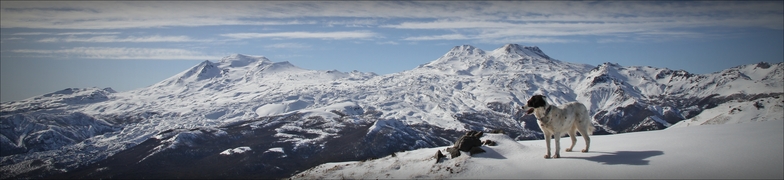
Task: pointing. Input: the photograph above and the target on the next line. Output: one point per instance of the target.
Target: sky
(127, 45)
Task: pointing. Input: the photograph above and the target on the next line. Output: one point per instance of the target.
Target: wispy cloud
(495, 39)
(546, 31)
(14, 38)
(450, 24)
(528, 40)
(30, 33)
(287, 46)
(128, 14)
(115, 15)
(64, 33)
(289, 56)
(474, 20)
(88, 33)
(560, 21)
(438, 37)
(114, 39)
(388, 42)
(119, 53)
(304, 35)
(353, 23)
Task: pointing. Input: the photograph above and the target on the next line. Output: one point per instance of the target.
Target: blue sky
(48, 46)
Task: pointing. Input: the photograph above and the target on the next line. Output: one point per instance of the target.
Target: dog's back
(582, 117)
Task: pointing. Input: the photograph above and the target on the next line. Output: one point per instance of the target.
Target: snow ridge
(623, 154)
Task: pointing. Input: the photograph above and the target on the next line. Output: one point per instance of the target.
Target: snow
(280, 108)
(464, 80)
(764, 109)
(735, 151)
(238, 150)
(392, 123)
(275, 149)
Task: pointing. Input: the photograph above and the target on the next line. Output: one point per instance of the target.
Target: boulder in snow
(468, 143)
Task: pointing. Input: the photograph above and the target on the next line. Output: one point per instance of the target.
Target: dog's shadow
(623, 157)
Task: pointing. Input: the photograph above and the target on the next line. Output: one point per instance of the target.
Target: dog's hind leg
(587, 142)
(573, 136)
(584, 132)
(585, 127)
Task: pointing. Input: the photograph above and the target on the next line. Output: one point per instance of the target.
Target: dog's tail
(587, 121)
(590, 127)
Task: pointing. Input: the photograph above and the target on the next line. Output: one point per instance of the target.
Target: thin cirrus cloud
(497, 39)
(114, 15)
(64, 33)
(115, 39)
(305, 35)
(30, 33)
(236, 13)
(119, 53)
(287, 46)
(88, 33)
(561, 21)
(483, 30)
(465, 20)
(124, 15)
(438, 37)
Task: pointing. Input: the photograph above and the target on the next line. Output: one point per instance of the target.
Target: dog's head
(535, 102)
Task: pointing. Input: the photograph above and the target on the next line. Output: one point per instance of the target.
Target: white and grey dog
(569, 117)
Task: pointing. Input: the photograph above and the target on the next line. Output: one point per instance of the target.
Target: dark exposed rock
(454, 152)
(497, 131)
(489, 143)
(469, 143)
(439, 155)
(469, 140)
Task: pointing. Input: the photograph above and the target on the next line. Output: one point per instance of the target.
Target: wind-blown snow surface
(732, 112)
(303, 111)
(733, 151)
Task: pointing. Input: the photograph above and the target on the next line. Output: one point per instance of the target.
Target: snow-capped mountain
(281, 118)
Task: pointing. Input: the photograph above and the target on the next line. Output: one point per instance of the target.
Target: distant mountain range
(281, 119)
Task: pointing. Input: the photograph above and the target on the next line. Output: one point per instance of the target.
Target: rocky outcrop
(468, 143)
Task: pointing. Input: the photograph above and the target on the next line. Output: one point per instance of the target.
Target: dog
(569, 117)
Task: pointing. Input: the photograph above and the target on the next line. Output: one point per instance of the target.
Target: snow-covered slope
(733, 151)
(304, 111)
(733, 112)
(67, 98)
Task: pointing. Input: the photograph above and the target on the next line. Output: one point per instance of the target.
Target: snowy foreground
(735, 151)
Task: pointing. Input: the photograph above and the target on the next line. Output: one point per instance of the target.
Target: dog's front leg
(557, 137)
(547, 141)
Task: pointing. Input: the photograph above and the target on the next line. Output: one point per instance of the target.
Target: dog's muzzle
(527, 110)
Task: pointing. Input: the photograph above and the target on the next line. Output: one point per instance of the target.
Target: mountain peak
(465, 50)
(763, 65)
(109, 89)
(610, 64)
(532, 51)
(281, 66)
(239, 60)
